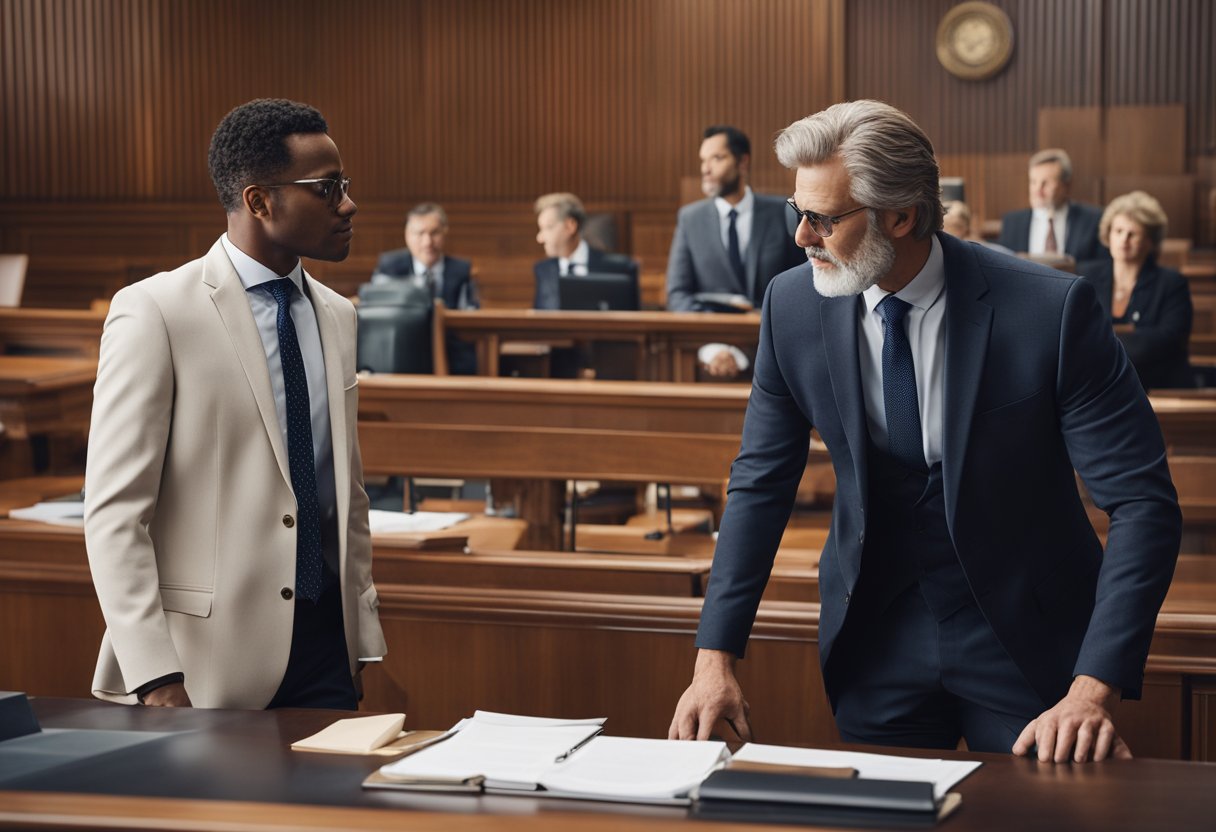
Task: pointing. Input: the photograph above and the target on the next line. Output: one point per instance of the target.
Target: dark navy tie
(732, 248)
(299, 447)
(899, 386)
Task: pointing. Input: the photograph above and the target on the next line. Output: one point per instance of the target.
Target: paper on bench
(355, 735)
(59, 513)
(420, 521)
(943, 774)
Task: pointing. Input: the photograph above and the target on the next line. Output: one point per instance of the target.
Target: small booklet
(380, 735)
(502, 754)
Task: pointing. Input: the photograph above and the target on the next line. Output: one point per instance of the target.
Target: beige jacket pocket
(186, 600)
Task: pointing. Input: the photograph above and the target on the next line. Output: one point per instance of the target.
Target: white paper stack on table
(382, 521)
(505, 754)
(56, 512)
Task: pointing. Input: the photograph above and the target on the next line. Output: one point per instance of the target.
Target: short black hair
(249, 146)
(736, 140)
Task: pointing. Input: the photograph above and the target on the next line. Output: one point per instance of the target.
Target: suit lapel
(968, 324)
(761, 226)
(838, 319)
(335, 379)
(230, 301)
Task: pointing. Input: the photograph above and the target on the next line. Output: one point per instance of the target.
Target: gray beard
(870, 264)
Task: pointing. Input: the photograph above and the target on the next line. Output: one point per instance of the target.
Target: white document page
(508, 756)
(59, 513)
(420, 521)
(625, 768)
(943, 774)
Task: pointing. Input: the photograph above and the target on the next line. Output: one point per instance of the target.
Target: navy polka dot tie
(299, 447)
(899, 386)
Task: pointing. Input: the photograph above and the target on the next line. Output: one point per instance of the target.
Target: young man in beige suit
(226, 520)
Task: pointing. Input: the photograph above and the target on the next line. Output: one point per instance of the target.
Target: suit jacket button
(861, 537)
(286, 593)
(848, 596)
(288, 520)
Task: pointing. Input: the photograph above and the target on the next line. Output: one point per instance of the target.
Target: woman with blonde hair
(1149, 305)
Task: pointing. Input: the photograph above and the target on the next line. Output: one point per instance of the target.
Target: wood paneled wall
(1067, 53)
(459, 100)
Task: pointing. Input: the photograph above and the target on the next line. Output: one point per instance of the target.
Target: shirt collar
(923, 290)
(436, 270)
(252, 273)
(1060, 212)
(579, 257)
(744, 206)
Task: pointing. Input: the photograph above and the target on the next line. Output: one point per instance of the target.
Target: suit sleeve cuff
(147, 687)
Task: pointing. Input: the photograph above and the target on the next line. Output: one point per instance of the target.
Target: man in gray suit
(733, 242)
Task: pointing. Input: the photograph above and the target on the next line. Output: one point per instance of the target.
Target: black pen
(589, 738)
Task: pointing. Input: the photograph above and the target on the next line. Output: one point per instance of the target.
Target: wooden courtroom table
(667, 341)
(41, 395)
(51, 331)
(234, 769)
(521, 632)
(549, 431)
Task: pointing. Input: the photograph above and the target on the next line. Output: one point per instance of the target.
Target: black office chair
(395, 328)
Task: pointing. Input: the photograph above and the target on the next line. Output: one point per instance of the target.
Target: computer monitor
(395, 328)
(599, 291)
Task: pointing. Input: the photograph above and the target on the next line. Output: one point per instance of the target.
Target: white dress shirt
(1038, 228)
(579, 258)
(745, 213)
(925, 323)
(266, 315)
(436, 275)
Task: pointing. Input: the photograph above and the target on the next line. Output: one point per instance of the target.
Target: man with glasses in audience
(963, 591)
(225, 519)
(728, 245)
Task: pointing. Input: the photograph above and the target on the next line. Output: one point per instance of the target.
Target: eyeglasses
(326, 188)
(821, 224)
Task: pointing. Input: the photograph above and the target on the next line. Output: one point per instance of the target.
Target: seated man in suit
(732, 242)
(450, 279)
(559, 222)
(226, 521)
(1053, 224)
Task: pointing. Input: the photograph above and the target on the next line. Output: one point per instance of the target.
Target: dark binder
(796, 799)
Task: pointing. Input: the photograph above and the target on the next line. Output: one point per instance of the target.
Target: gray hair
(567, 206)
(425, 209)
(1057, 155)
(889, 159)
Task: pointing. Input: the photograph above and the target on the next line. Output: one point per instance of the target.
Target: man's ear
(256, 201)
(901, 222)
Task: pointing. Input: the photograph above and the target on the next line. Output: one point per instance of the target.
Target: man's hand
(1078, 727)
(722, 365)
(714, 694)
(168, 696)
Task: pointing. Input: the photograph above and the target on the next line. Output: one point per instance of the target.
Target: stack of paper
(382, 521)
(557, 758)
(58, 512)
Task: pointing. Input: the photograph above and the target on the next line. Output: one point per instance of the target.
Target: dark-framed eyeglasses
(332, 190)
(821, 224)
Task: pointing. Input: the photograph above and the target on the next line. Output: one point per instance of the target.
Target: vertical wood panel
(491, 100)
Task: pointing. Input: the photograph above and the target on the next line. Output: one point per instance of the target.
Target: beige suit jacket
(188, 492)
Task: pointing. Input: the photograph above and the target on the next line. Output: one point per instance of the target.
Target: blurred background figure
(1149, 305)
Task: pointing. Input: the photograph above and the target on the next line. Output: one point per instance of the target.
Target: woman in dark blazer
(1149, 305)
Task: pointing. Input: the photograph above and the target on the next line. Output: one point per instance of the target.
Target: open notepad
(502, 754)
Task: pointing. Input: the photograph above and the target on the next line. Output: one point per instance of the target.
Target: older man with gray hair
(963, 591)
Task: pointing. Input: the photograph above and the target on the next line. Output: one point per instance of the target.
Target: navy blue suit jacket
(546, 274)
(1160, 309)
(1035, 385)
(1082, 241)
